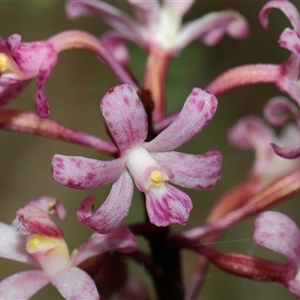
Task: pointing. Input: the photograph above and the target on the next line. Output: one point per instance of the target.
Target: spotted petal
(167, 205)
(279, 233)
(75, 284)
(125, 116)
(115, 208)
(23, 285)
(85, 173)
(198, 110)
(121, 238)
(191, 171)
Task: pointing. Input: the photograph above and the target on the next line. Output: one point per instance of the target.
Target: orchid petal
(75, 284)
(23, 285)
(278, 110)
(120, 238)
(211, 28)
(288, 82)
(85, 173)
(51, 206)
(180, 8)
(115, 42)
(34, 59)
(289, 136)
(294, 286)
(290, 39)
(251, 132)
(115, 208)
(191, 171)
(33, 220)
(166, 205)
(12, 245)
(198, 110)
(279, 233)
(11, 88)
(286, 7)
(41, 103)
(108, 13)
(287, 152)
(147, 12)
(125, 116)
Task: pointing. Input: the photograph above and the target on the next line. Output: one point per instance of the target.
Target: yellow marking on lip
(156, 177)
(3, 63)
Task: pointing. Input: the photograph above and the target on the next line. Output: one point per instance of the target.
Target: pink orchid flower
(277, 111)
(289, 39)
(19, 63)
(150, 164)
(279, 233)
(158, 25)
(253, 132)
(35, 239)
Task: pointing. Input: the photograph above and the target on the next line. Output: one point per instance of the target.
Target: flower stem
(75, 39)
(244, 75)
(154, 81)
(26, 122)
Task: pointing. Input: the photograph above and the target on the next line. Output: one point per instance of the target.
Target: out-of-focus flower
(277, 111)
(279, 233)
(289, 39)
(150, 164)
(35, 239)
(158, 26)
(19, 63)
(252, 132)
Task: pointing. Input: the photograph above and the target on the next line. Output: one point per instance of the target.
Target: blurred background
(74, 91)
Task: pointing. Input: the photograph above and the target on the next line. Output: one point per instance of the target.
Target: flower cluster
(142, 145)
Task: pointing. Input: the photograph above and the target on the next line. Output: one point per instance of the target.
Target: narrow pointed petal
(12, 244)
(85, 173)
(290, 39)
(108, 13)
(198, 110)
(167, 205)
(75, 284)
(115, 208)
(211, 28)
(23, 285)
(191, 171)
(120, 238)
(41, 103)
(125, 116)
(286, 7)
(180, 8)
(279, 233)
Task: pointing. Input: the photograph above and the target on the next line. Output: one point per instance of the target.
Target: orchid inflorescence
(143, 150)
